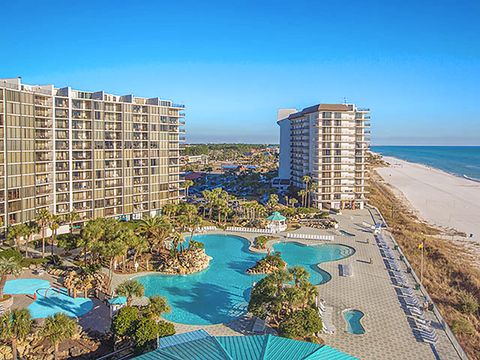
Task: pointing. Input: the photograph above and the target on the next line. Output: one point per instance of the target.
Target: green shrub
(261, 242)
(193, 244)
(123, 322)
(165, 328)
(146, 330)
(9, 253)
(32, 261)
(301, 324)
(468, 303)
(462, 326)
(68, 241)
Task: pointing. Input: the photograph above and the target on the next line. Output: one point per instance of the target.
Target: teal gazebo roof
(276, 216)
(199, 345)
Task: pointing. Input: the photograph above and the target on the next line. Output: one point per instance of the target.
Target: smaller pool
(24, 286)
(48, 301)
(353, 320)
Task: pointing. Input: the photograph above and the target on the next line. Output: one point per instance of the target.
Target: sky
(415, 64)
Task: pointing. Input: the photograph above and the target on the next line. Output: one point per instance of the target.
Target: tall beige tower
(94, 153)
(327, 142)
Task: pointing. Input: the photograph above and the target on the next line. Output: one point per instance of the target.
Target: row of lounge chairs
(325, 313)
(206, 228)
(250, 230)
(310, 236)
(409, 302)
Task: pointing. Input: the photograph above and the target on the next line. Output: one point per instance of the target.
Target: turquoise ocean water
(458, 160)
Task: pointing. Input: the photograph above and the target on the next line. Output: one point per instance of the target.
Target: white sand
(442, 199)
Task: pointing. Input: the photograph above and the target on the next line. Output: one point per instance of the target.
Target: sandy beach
(441, 199)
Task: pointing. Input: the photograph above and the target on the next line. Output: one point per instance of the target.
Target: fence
(310, 237)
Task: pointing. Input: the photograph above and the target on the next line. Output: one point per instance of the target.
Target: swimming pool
(353, 320)
(220, 293)
(49, 301)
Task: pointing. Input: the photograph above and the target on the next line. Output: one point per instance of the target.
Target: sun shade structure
(276, 222)
(276, 216)
(199, 345)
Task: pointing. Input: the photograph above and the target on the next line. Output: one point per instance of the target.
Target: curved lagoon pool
(220, 293)
(353, 320)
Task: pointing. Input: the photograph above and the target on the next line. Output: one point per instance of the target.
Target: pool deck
(370, 290)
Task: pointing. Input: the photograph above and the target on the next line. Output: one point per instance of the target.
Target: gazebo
(277, 222)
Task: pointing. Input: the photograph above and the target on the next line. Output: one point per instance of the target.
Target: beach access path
(443, 200)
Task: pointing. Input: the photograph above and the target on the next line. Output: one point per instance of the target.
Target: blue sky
(416, 64)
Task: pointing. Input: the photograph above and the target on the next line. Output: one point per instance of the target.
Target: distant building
(94, 153)
(197, 159)
(328, 142)
(193, 176)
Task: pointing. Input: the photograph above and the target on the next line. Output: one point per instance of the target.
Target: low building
(197, 159)
(200, 345)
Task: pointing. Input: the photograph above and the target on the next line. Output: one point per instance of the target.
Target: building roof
(119, 300)
(202, 346)
(193, 175)
(321, 107)
(276, 216)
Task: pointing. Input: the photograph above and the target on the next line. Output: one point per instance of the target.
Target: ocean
(462, 161)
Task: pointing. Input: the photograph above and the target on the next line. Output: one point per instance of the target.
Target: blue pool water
(353, 320)
(24, 286)
(49, 301)
(220, 293)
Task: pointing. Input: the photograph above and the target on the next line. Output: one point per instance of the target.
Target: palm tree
(186, 185)
(55, 222)
(279, 278)
(30, 230)
(177, 241)
(299, 274)
(157, 306)
(43, 220)
(292, 202)
(169, 209)
(10, 266)
(139, 245)
(112, 251)
(58, 328)
(302, 194)
(194, 223)
(130, 289)
(15, 325)
(91, 234)
(15, 233)
(309, 293)
(71, 217)
(306, 180)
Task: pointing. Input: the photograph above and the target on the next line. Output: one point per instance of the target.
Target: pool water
(309, 256)
(220, 293)
(49, 301)
(24, 286)
(353, 320)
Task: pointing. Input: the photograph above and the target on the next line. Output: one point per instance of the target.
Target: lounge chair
(259, 326)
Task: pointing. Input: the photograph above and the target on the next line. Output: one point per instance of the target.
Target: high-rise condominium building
(97, 154)
(327, 142)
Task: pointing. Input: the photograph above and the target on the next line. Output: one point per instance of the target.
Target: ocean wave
(471, 178)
